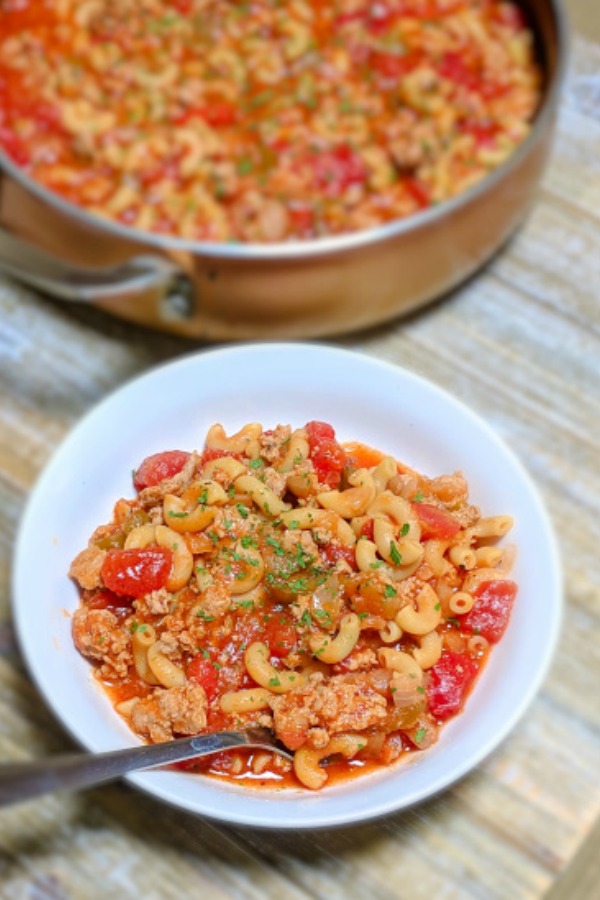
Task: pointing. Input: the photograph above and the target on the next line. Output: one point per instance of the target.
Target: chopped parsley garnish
(272, 542)
(244, 167)
(274, 682)
(262, 98)
(395, 554)
(390, 591)
(453, 621)
(405, 529)
(243, 510)
(256, 463)
(205, 616)
(419, 497)
(323, 614)
(420, 734)
(178, 515)
(301, 557)
(300, 586)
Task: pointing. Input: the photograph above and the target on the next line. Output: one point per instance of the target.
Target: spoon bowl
(72, 771)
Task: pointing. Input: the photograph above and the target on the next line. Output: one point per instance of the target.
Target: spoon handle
(21, 781)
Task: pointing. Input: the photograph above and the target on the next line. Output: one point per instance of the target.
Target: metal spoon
(20, 781)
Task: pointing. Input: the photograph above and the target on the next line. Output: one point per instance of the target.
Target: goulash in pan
(263, 121)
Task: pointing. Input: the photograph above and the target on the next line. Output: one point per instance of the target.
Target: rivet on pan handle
(139, 275)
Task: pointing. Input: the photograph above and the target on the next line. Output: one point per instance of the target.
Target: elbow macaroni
(334, 650)
(265, 674)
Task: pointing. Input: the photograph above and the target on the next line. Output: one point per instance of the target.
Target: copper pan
(311, 288)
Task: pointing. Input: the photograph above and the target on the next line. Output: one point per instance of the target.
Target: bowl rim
(318, 247)
(297, 819)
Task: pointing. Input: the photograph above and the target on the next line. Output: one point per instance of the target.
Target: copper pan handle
(141, 275)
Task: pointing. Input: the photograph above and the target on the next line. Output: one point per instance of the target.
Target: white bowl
(382, 405)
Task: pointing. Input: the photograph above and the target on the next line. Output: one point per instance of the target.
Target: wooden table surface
(521, 344)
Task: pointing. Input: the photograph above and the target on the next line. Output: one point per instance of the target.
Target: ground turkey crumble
(337, 705)
(86, 566)
(172, 711)
(98, 635)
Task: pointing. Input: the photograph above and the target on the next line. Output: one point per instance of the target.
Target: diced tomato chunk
(108, 600)
(367, 529)
(280, 634)
(393, 65)
(334, 552)
(449, 683)
(419, 191)
(326, 455)
(491, 90)
(133, 572)
(159, 466)
(209, 454)
(220, 113)
(432, 9)
(454, 68)
(484, 131)
(319, 431)
(493, 605)
(509, 14)
(356, 15)
(336, 170)
(380, 16)
(302, 219)
(14, 146)
(435, 522)
(202, 671)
